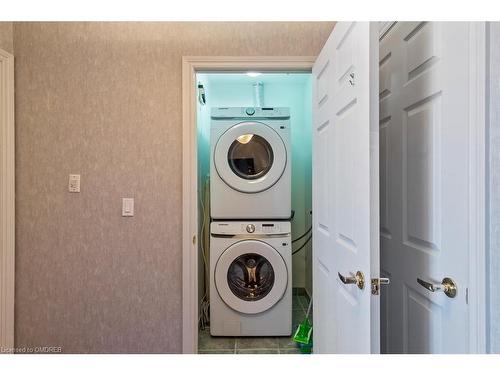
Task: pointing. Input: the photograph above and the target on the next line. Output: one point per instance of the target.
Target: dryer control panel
(250, 112)
(250, 227)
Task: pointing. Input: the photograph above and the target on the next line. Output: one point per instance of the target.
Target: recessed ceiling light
(253, 74)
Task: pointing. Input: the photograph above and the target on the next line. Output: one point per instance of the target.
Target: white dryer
(250, 279)
(250, 167)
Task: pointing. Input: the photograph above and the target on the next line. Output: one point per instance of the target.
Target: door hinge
(194, 239)
(467, 296)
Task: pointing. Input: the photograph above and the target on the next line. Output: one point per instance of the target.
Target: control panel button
(250, 228)
(250, 111)
(269, 228)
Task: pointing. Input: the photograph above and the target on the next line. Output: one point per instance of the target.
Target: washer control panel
(250, 112)
(254, 227)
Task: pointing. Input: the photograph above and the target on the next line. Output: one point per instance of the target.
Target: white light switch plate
(74, 183)
(127, 206)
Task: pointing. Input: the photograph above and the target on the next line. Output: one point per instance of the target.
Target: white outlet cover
(127, 207)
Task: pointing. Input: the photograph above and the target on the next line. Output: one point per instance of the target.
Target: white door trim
(7, 200)
(477, 188)
(190, 66)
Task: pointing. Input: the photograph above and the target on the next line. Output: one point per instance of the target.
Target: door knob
(448, 286)
(377, 282)
(358, 279)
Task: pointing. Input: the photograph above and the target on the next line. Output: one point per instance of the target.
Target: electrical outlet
(74, 183)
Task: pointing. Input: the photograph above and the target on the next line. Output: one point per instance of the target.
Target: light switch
(74, 183)
(127, 206)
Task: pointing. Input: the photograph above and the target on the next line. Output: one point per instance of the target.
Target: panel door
(423, 95)
(345, 190)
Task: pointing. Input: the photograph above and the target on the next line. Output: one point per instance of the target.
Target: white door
(424, 185)
(345, 191)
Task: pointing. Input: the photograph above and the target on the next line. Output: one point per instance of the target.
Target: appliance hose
(303, 245)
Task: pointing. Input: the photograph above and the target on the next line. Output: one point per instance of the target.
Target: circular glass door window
(250, 156)
(250, 277)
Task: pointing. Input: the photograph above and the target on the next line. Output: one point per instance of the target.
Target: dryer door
(250, 157)
(251, 276)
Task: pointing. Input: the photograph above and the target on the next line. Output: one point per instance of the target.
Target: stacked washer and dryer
(250, 240)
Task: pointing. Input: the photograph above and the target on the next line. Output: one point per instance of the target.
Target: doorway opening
(282, 99)
(430, 194)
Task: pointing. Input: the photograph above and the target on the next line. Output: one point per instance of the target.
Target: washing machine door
(251, 276)
(250, 157)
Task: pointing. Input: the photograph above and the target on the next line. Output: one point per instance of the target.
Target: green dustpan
(304, 330)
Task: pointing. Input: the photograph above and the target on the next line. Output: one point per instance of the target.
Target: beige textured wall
(6, 42)
(104, 100)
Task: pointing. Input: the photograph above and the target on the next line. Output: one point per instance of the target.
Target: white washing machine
(250, 167)
(250, 278)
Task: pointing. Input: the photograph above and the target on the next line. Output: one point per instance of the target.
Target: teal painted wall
(291, 90)
(203, 125)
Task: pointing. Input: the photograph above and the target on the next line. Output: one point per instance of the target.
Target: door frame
(7, 200)
(477, 188)
(190, 66)
(477, 162)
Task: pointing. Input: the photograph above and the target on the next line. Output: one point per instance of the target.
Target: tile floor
(257, 345)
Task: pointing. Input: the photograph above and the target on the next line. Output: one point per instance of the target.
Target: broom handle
(309, 308)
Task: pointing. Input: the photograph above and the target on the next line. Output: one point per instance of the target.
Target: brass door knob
(448, 286)
(358, 279)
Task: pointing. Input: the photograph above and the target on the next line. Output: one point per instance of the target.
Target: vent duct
(258, 94)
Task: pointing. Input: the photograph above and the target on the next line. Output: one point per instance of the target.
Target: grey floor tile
(304, 301)
(219, 351)
(256, 343)
(296, 303)
(286, 343)
(290, 351)
(298, 313)
(257, 351)
(297, 318)
(207, 342)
